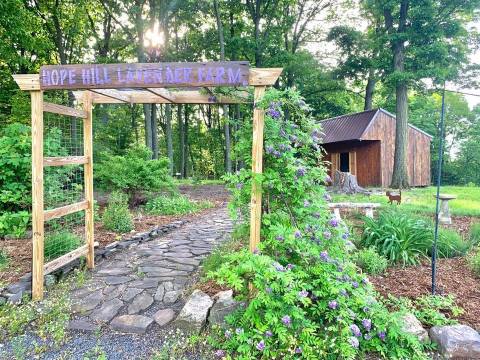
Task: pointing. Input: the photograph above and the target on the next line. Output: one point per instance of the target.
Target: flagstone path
(141, 287)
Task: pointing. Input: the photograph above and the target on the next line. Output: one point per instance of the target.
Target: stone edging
(15, 292)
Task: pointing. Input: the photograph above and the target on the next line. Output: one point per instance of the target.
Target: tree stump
(346, 183)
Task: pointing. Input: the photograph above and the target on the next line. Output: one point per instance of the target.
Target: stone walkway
(143, 284)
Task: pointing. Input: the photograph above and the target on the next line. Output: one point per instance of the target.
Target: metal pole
(439, 180)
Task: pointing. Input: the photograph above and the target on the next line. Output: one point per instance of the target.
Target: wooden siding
(366, 158)
(418, 160)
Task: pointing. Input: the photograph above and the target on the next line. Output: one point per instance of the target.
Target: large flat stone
(140, 303)
(82, 325)
(136, 324)
(456, 341)
(164, 316)
(171, 296)
(117, 280)
(130, 293)
(411, 325)
(107, 311)
(88, 303)
(193, 316)
(146, 283)
(159, 293)
(115, 271)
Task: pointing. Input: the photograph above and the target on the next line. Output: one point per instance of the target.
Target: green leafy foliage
(308, 297)
(116, 216)
(4, 260)
(59, 243)
(431, 310)
(474, 262)
(451, 244)
(400, 237)
(174, 205)
(475, 233)
(370, 261)
(134, 173)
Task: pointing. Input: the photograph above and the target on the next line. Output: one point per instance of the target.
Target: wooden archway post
(257, 168)
(37, 195)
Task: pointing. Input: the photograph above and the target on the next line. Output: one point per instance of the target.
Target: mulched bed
(20, 250)
(453, 277)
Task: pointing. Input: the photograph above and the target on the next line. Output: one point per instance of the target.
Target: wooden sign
(151, 75)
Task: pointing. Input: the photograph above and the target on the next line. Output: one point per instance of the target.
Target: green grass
(422, 200)
(175, 205)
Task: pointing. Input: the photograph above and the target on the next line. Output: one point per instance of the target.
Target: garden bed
(453, 277)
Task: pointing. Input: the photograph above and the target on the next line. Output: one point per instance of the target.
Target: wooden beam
(66, 160)
(66, 259)
(88, 174)
(114, 94)
(65, 210)
(257, 161)
(27, 81)
(37, 195)
(268, 76)
(163, 93)
(63, 110)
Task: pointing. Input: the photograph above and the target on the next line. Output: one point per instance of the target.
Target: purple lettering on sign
(46, 77)
(209, 76)
(219, 76)
(130, 76)
(186, 74)
(85, 77)
(54, 77)
(200, 75)
(119, 76)
(178, 75)
(233, 78)
(92, 72)
(97, 77)
(71, 77)
(147, 76)
(106, 77)
(157, 73)
(63, 76)
(169, 75)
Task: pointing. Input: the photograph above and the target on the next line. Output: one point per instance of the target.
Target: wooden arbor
(154, 83)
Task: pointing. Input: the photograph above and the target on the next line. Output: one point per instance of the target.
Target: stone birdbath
(444, 214)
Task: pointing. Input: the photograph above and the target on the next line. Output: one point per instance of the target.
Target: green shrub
(474, 262)
(134, 173)
(14, 223)
(370, 261)
(450, 244)
(174, 205)
(60, 243)
(4, 260)
(116, 216)
(475, 233)
(402, 238)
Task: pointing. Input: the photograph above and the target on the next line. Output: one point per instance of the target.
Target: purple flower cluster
(220, 353)
(280, 238)
(334, 222)
(261, 345)
(278, 266)
(298, 350)
(355, 330)
(367, 324)
(354, 342)
(268, 290)
(303, 293)
(345, 235)
(301, 171)
(332, 304)
(273, 112)
(268, 333)
(228, 334)
(324, 256)
(298, 234)
(306, 203)
(355, 284)
(327, 234)
(290, 266)
(239, 186)
(286, 320)
(382, 335)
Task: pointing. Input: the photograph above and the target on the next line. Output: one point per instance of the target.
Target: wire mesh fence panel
(63, 185)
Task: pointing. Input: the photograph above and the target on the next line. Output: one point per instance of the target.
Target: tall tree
(424, 39)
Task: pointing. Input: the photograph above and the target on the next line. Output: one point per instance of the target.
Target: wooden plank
(27, 81)
(65, 259)
(114, 94)
(65, 210)
(257, 161)
(163, 93)
(145, 75)
(266, 76)
(63, 110)
(88, 173)
(37, 195)
(66, 160)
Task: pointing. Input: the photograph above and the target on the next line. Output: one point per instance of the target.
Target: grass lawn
(422, 200)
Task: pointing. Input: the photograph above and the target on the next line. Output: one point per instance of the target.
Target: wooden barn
(364, 145)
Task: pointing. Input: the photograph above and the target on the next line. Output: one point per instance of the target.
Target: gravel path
(123, 310)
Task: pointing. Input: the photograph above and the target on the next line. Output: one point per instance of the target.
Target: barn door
(353, 162)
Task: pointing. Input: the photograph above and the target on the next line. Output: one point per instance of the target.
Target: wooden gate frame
(90, 95)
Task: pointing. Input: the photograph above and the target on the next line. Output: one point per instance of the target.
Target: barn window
(345, 162)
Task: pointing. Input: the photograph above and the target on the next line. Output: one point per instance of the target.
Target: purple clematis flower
(367, 324)
(382, 335)
(345, 236)
(298, 234)
(268, 333)
(327, 234)
(303, 293)
(334, 222)
(274, 113)
(286, 320)
(269, 149)
(278, 266)
(301, 171)
(368, 336)
(290, 266)
(298, 350)
(355, 330)
(355, 284)
(239, 186)
(332, 304)
(220, 353)
(261, 345)
(280, 238)
(324, 256)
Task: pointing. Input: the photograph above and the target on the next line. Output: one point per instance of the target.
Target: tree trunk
(168, 135)
(346, 183)
(181, 138)
(147, 110)
(185, 143)
(369, 90)
(154, 132)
